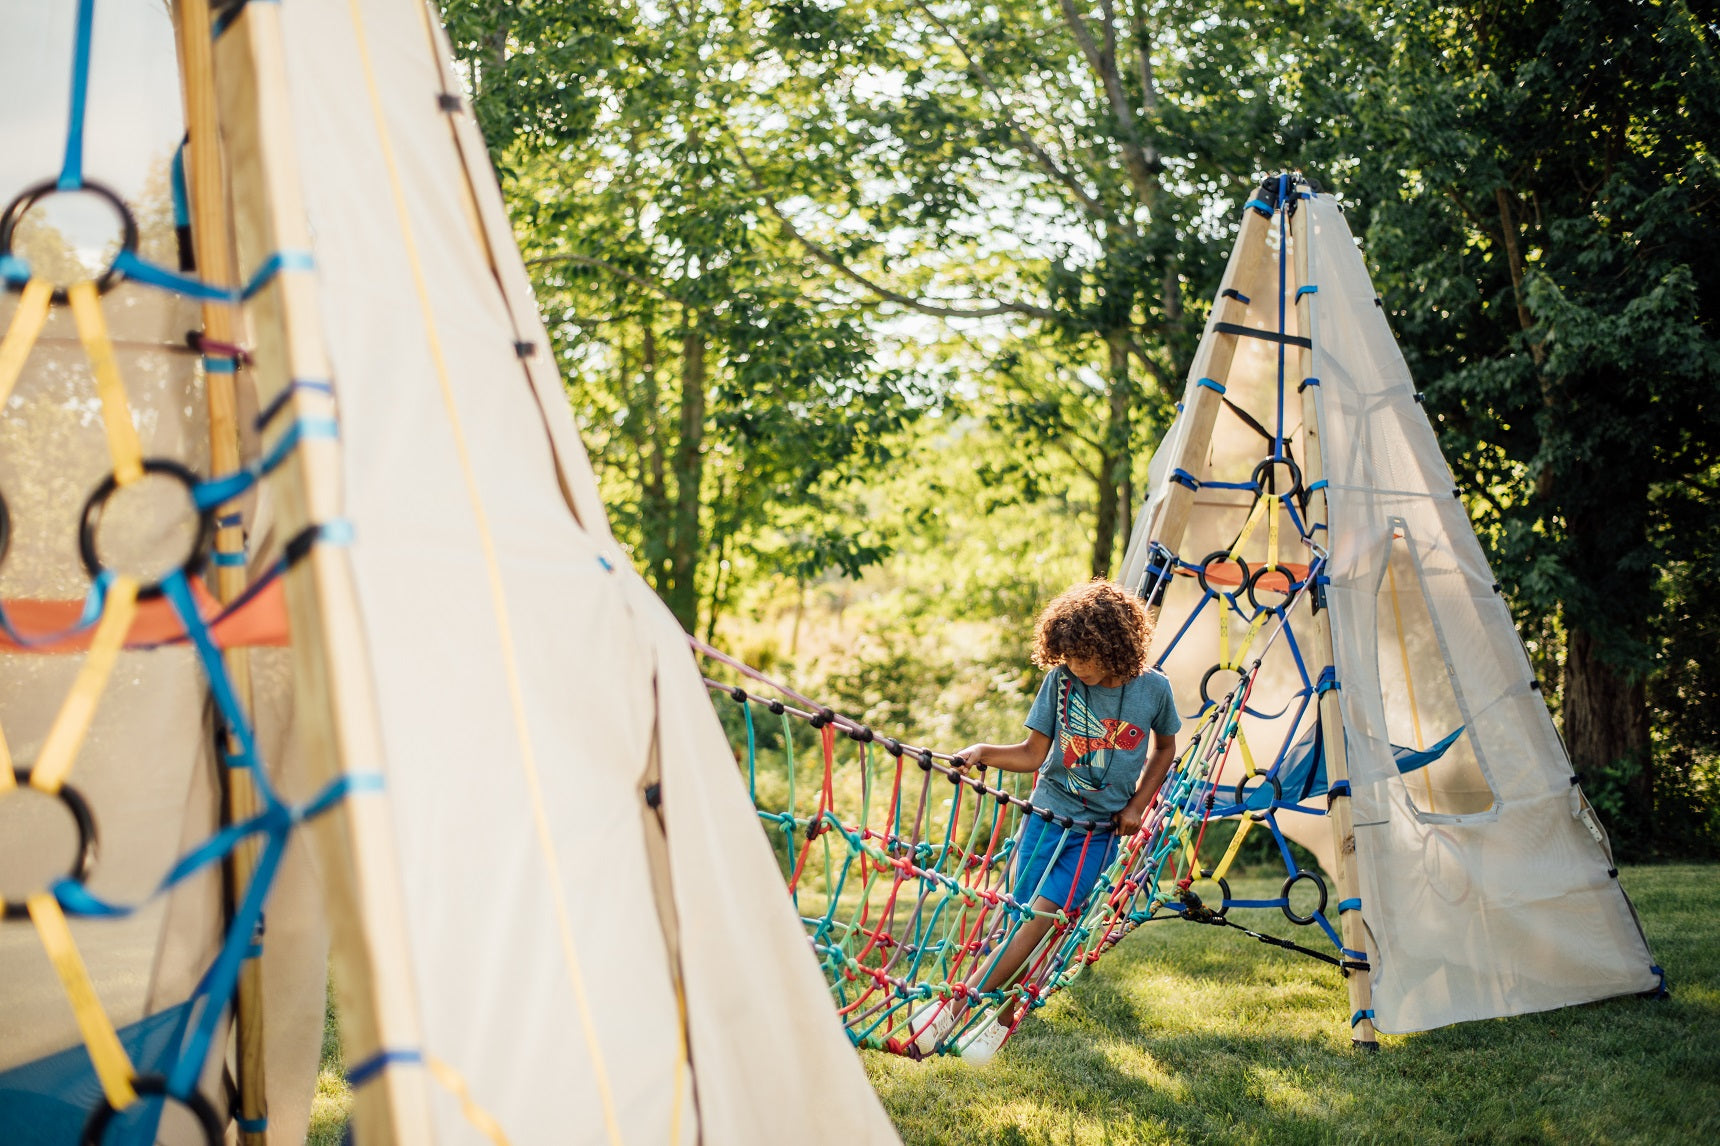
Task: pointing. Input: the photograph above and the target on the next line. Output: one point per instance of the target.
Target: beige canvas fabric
(529, 685)
(1484, 878)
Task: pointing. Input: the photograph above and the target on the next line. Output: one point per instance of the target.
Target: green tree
(725, 402)
(1540, 193)
(1067, 169)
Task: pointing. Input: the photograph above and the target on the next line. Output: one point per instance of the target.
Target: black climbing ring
(1218, 555)
(98, 499)
(155, 1085)
(19, 207)
(1264, 470)
(1253, 583)
(5, 528)
(1206, 697)
(1223, 907)
(1319, 909)
(86, 825)
(1242, 794)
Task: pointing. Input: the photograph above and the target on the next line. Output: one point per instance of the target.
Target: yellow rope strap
(1242, 826)
(1408, 678)
(113, 1065)
(451, 1081)
(123, 445)
(72, 723)
(21, 335)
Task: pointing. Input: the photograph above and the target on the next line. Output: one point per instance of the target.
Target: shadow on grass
(1186, 1034)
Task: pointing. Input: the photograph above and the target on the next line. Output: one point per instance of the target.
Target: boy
(1087, 740)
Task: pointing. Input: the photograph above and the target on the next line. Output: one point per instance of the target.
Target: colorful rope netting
(899, 862)
(109, 608)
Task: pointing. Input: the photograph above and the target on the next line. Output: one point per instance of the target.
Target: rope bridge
(898, 858)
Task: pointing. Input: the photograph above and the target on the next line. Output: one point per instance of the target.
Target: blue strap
(138, 269)
(230, 520)
(1328, 681)
(235, 560)
(379, 1062)
(1321, 484)
(224, 974)
(1359, 956)
(1259, 205)
(1307, 382)
(181, 199)
(178, 591)
(299, 430)
(274, 265)
(1360, 1015)
(1349, 905)
(251, 1125)
(1302, 290)
(1183, 477)
(1211, 385)
(279, 401)
(141, 270)
(222, 490)
(72, 170)
(13, 269)
(220, 365)
(1339, 788)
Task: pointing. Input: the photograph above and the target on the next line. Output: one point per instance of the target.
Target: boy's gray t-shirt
(1099, 740)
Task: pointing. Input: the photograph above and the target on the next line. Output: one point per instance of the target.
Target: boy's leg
(1015, 956)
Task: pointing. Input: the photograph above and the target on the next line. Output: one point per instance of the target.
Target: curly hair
(1099, 621)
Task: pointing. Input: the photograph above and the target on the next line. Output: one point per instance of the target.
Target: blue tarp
(47, 1102)
(1303, 773)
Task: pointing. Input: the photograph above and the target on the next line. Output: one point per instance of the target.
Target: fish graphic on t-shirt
(1083, 733)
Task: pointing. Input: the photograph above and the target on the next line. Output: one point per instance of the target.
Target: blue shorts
(1074, 869)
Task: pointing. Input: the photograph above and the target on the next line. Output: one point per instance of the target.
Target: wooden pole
(1212, 361)
(1331, 713)
(335, 704)
(212, 244)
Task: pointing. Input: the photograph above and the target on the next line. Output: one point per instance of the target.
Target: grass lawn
(1188, 1033)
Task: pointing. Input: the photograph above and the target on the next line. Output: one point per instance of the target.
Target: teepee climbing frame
(1399, 705)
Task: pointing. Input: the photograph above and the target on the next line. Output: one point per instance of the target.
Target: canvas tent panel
(527, 681)
(1475, 915)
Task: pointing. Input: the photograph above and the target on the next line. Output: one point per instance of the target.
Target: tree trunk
(1114, 457)
(654, 523)
(1606, 722)
(682, 594)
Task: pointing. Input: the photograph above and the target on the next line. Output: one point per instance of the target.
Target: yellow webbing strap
(123, 445)
(72, 723)
(1248, 527)
(1242, 827)
(21, 335)
(1247, 757)
(113, 1065)
(1408, 680)
(1272, 511)
(449, 1079)
(1223, 636)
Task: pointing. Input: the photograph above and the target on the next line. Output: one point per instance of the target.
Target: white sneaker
(982, 1046)
(932, 1024)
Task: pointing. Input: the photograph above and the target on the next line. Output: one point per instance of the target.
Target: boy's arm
(1024, 757)
(1152, 776)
